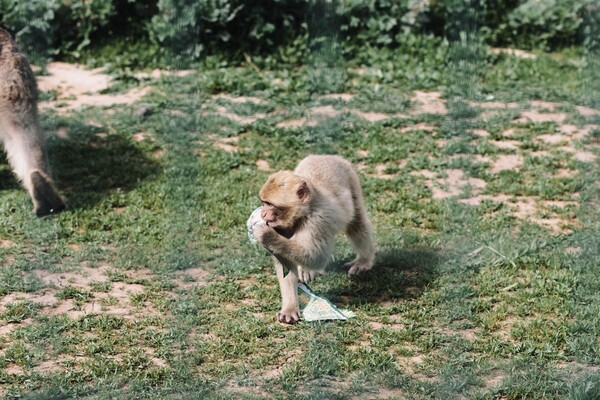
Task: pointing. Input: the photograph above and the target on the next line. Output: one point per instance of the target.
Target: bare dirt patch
(566, 173)
(587, 111)
(339, 96)
(573, 250)
(228, 144)
(378, 325)
(548, 105)
(469, 334)
(506, 144)
(158, 153)
(314, 116)
(454, 184)
(538, 116)
(141, 136)
(546, 213)
(490, 105)
(580, 155)
(263, 165)
(191, 277)
(552, 139)
(43, 297)
(568, 129)
(381, 174)
(384, 393)
(13, 369)
(428, 103)
(585, 130)
(159, 73)
(375, 116)
(276, 371)
(81, 278)
(493, 379)
(240, 119)
(57, 364)
(478, 199)
(509, 133)
(513, 52)
(413, 366)
(240, 99)
(481, 133)
(5, 243)
(293, 123)
(504, 162)
(421, 126)
(578, 368)
(75, 87)
(116, 300)
(324, 112)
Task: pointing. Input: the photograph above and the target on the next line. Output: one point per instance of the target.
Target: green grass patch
(494, 298)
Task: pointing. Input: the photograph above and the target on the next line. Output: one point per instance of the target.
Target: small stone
(142, 111)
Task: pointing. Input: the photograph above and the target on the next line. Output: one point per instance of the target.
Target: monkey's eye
(267, 204)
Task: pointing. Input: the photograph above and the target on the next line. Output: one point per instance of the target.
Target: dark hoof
(46, 199)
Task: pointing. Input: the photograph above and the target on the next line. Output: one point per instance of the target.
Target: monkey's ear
(303, 192)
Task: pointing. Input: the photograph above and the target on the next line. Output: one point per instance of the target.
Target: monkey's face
(285, 199)
(272, 214)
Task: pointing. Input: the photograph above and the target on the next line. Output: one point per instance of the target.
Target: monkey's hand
(307, 275)
(289, 316)
(265, 235)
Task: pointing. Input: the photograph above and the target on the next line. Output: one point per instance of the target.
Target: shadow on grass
(398, 274)
(88, 168)
(7, 178)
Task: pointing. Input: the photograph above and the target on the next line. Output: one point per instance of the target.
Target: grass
(148, 288)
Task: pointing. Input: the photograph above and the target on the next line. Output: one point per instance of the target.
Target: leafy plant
(190, 29)
(545, 23)
(32, 23)
(373, 22)
(86, 17)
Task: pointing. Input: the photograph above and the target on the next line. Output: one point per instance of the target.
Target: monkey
(303, 211)
(20, 129)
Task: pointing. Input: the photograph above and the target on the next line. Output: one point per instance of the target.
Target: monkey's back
(336, 179)
(18, 90)
(326, 169)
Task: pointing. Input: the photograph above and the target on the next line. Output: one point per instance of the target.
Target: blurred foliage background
(179, 32)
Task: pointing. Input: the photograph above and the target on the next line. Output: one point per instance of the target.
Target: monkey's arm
(308, 252)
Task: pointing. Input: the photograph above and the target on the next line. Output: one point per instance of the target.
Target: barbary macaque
(20, 129)
(303, 212)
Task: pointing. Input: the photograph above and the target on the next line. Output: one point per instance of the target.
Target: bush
(187, 30)
(190, 29)
(529, 24)
(84, 17)
(32, 24)
(372, 22)
(39, 26)
(547, 24)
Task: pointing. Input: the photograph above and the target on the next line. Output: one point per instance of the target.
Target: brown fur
(304, 210)
(20, 129)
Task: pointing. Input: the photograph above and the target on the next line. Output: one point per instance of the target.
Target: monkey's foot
(358, 266)
(306, 276)
(290, 316)
(46, 199)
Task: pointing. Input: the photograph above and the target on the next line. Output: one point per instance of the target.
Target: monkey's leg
(26, 152)
(306, 275)
(360, 233)
(290, 303)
